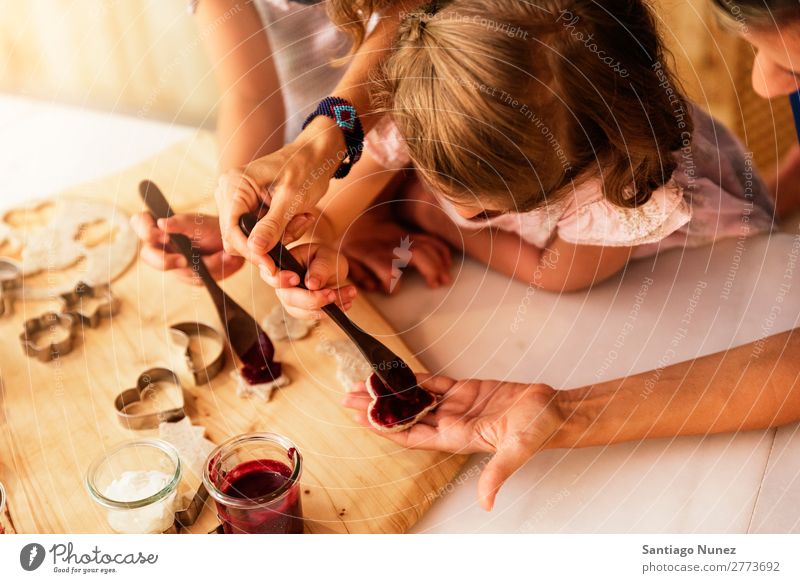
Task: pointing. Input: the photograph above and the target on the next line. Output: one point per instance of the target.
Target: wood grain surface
(56, 417)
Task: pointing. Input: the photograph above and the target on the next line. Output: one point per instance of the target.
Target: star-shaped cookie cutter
(10, 284)
(34, 328)
(107, 303)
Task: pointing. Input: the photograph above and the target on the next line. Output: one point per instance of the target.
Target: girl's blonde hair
(512, 105)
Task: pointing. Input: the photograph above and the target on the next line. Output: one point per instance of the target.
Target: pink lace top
(714, 193)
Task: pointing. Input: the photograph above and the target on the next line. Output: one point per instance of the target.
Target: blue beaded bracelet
(344, 114)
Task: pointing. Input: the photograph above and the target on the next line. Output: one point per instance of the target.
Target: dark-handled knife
(241, 328)
(389, 367)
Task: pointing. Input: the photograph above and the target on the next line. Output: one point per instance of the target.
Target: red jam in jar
(255, 482)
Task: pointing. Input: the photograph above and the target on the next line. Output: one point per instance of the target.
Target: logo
(31, 556)
(402, 257)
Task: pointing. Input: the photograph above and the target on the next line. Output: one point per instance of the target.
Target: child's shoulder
(589, 218)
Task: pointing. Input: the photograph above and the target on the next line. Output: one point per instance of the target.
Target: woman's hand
(513, 420)
(325, 277)
(202, 230)
(289, 182)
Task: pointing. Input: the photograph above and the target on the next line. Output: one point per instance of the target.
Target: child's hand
(380, 250)
(326, 270)
(203, 230)
(513, 420)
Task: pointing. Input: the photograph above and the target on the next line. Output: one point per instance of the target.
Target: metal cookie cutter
(10, 284)
(146, 385)
(35, 328)
(188, 516)
(182, 333)
(107, 304)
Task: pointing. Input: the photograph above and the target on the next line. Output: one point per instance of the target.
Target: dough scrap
(351, 366)
(281, 326)
(190, 441)
(56, 245)
(261, 391)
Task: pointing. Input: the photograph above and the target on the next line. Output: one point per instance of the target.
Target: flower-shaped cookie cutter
(10, 284)
(105, 304)
(148, 383)
(48, 323)
(182, 334)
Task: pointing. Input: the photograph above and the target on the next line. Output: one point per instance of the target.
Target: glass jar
(136, 482)
(255, 482)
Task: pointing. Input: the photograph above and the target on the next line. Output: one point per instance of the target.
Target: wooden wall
(145, 58)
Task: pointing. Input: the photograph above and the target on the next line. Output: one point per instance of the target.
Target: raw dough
(351, 366)
(55, 246)
(190, 442)
(281, 326)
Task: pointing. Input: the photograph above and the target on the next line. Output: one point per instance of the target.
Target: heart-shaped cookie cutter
(182, 334)
(107, 304)
(35, 327)
(10, 284)
(146, 384)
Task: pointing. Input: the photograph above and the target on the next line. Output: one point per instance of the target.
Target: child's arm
(561, 266)
(346, 199)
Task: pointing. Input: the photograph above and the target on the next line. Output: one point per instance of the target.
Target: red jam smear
(256, 479)
(258, 365)
(390, 410)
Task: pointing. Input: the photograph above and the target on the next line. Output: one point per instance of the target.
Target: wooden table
(55, 418)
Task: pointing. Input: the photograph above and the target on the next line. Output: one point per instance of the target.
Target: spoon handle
(376, 353)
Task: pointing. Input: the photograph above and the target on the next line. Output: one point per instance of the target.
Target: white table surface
(747, 482)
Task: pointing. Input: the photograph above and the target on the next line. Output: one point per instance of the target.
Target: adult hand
(202, 230)
(290, 182)
(512, 420)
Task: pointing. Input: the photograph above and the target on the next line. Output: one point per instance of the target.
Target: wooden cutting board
(55, 418)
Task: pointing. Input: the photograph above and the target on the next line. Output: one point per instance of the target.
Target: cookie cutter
(10, 284)
(43, 324)
(189, 515)
(182, 334)
(108, 304)
(146, 385)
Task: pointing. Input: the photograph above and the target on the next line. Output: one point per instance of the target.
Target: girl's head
(503, 109)
(773, 27)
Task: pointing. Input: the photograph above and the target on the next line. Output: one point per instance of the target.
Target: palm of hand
(512, 420)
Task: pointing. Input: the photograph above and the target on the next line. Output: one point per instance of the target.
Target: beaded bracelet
(344, 114)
